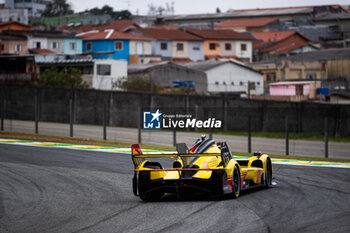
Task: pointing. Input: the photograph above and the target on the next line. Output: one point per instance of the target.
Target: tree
(218, 10)
(108, 10)
(70, 78)
(58, 8)
(138, 83)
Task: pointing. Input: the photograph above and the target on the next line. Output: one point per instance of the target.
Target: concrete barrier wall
(121, 109)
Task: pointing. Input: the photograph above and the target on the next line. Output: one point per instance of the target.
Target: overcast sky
(197, 6)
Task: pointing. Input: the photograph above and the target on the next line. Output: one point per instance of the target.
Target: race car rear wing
(138, 157)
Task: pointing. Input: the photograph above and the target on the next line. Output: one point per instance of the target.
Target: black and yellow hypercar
(206, 167)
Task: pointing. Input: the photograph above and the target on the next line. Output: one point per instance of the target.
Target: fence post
(225, 112)
(326, 137)
(249, 135)
(3, 113)
(287, 135)
(71, 117)
(139, 124)
(174, 136)
(210, 129)
(104, 121)
(36, 113)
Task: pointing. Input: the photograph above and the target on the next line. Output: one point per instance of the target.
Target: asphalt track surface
(62, 190)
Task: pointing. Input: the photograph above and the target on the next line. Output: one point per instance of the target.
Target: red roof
(122, 24)
(273, 36)
(41, 51)
(217, 57)
(246, 22)
(181, 60)
(119, 25)
(279, 42)
(108, 35)
(166, 34)
(3, 24)
(218, 34)
(168, 27)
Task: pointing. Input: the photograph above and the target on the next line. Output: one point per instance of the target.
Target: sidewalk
(160, 137)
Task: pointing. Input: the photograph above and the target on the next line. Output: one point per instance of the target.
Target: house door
(139, 48)
(299, 90)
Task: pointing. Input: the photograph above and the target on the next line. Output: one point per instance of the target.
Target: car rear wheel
(268, 174)
(236, 182)
(144, 178)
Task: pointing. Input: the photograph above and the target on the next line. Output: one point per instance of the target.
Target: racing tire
(268, 174)
(143, 178)
(236, 183)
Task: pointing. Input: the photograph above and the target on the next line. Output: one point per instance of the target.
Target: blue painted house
(73, 45)
(109, 44)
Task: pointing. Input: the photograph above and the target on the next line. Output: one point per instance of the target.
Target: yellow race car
(207, 167)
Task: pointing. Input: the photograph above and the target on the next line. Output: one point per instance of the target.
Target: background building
(14, 15)
(35, 8)
(230, 77)
(166, 73)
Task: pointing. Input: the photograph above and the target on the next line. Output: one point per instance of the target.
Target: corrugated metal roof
(70, 61)
(269, 12)
(246, 22)
(322, 55)
(136, 68)
(210, 64)
(293, 83)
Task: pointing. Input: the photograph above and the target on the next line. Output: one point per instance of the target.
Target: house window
(212, 46)
(54, 45)
(196, 48)
(104, 69)
(2, 47)
(216, 83)
(37, 45)
(18, 47)
(271, 77)
(311, 76)
(88, 46)
(243, 47)
(180, 47)
(72, 45)
(241, 83)
(227, 46)
(163, 46)
(118, 45)
(232, 83)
